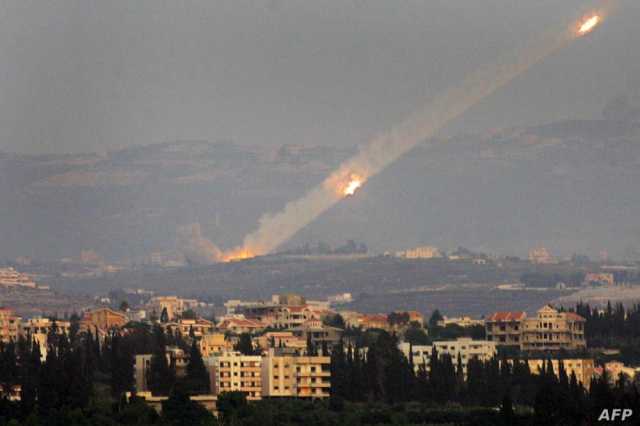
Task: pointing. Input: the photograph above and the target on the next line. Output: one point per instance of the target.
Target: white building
(466, 347)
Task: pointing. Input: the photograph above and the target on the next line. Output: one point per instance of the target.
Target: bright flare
(352, 186)
(588, 25)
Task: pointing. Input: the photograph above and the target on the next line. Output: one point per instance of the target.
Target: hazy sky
(97, 75)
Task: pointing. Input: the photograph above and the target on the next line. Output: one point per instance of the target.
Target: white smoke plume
(388, 147)
(195, 248)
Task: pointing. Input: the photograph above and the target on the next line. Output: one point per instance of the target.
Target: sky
(94, 76)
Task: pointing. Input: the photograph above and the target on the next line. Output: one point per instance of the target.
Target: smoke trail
(386, 148)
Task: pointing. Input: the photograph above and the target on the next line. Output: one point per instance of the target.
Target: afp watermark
(615, 414)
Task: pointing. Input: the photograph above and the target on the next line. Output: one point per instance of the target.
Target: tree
(416, 336)
(436, 317)
(164, 316)
(189, 314)
(245, 344)
(124, 306)
(232, 406)
(197, 375)
(161, 377)
(179, 410)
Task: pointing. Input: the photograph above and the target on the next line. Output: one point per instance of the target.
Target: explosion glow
(589, 24)
(352, 186)
(386, 148)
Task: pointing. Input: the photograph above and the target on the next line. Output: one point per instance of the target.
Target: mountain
(570, 186)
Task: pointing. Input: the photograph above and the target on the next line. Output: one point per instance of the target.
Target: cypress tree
(197, 374)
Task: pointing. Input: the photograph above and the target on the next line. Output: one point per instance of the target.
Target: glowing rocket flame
(240, 253)
(588, 25)
(352, 186)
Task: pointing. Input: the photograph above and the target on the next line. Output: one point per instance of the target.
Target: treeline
(383, 374)
(613, 327)
(82, 378)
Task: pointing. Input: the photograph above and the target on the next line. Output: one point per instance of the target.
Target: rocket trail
(388, 147)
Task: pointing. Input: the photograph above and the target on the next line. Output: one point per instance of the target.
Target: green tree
(180, 410)
(245, 345)
(197, 378)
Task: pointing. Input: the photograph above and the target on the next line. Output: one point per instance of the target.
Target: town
(289, 348)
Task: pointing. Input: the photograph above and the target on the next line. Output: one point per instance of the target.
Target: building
(295, 376)
(174, 305)
(38, 329)
(318, 334)
(424, 252)
(9, 277)
(141, 372)
(467, 349)
(505, 328)
(154, 401)
(281, 339)
(102, 319)
(9, 325)
(463, 321)
(240, 325)
(615, 368)
(213, 344)
(604, 279)
(552, 330)
(464, 347)
(540, 256)
(367, 321)
(175, 357)
(232, 371)
(186, 327)
(582, 367)
(293, 316)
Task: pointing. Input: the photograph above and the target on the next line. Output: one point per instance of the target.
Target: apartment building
(285, 375)
(465, 347)
(142, 364)
(232, 371)
(552, 330)
(9, 325)
(505, 328)
(103, 320)
(582, 367)
(213, 344)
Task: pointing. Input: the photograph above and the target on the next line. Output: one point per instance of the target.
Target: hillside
(570, 186)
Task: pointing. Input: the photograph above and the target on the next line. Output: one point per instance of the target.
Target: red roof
(574, 316)
(507, 316)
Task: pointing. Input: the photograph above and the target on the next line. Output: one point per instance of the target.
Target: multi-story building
(295, 376)
(185, 327)
(582, 367)
(174, 305)
(240, 325)
(232, 371)
(465, 347)
(424, 252)
(280, 339)
(38, 329)
(319, 334)
(463, 321)
(552, 330)
(103, 320)
(213, 344)
(9, 325)
(9, 277)
(175, 357)
(505, 328)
